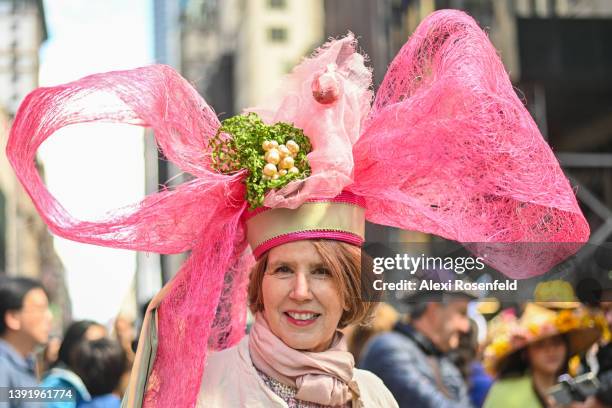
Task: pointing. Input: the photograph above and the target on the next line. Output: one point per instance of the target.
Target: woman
(301, 293)
(534, 352)
(441, 150)
(62, 374)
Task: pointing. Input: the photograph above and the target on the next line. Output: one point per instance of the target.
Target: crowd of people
(528, 356)
(86, 361)
(431, 356)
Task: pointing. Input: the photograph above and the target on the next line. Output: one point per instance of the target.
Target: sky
(94, 168)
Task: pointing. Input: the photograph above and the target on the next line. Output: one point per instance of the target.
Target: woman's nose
(301, 288)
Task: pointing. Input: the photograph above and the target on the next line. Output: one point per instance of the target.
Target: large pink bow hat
(446, 147)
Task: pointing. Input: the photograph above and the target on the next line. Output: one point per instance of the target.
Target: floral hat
(445, 147)
(556, 294)
(511, 335)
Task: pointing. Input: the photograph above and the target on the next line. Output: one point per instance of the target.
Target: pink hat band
(341, 218)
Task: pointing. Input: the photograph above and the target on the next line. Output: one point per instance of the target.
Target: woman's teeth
(302, 316)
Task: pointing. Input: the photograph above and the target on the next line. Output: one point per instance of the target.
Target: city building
(273, 36)
(26, 246)
(22, 31)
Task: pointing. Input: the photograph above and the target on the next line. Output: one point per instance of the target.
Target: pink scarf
(324, 378)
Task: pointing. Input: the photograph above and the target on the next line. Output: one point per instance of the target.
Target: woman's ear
(11, 320)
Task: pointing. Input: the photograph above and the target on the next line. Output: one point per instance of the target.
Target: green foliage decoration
(238, 145)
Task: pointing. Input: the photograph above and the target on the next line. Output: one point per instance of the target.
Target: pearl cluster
(280, 159)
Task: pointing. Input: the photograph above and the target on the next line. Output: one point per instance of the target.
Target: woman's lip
(301, 323)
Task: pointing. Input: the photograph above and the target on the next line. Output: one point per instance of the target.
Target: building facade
(26, 246)
(22, 31)
(273, 36)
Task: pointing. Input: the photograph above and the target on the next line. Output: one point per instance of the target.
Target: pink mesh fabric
(337, 125)
(156, 97)
(447, 148)
(460, 155)
(206, 306)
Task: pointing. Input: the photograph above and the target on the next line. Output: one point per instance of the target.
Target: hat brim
(559, 305)
(579, 341)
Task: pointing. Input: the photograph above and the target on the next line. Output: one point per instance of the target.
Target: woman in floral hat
(530, 353)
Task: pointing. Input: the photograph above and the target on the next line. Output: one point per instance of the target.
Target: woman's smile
(301, 318)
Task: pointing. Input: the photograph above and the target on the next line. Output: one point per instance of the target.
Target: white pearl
(287, 163)
(272, 156)
(294, 170)
(274, 144)
(293, 146)
(282, 172)
(269, 170)
(284, 151)
(275, 177)
(266, 145)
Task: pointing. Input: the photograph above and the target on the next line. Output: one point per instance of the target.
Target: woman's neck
(543, 381)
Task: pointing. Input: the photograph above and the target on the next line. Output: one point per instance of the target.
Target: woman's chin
(304, 342)
(303, 335)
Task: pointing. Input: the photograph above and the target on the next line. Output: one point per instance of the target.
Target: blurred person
(467, 358)
(62, 374)
(50, 354)
(75, 332)
(126, 335)
(533, 352)
(25, 323)
(384, 319)
(100, 364)
(412, 359)
(603, 397)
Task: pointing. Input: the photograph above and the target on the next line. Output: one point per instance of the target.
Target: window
(277, 34)
(277, 4)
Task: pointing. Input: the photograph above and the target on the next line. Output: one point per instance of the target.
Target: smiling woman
(302, 302)
(311, 288)
(302, 291)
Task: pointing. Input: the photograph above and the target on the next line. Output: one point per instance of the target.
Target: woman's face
(301, 300)
(548, 355)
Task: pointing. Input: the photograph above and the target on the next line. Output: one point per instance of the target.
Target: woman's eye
(322, 272)
(282, 269)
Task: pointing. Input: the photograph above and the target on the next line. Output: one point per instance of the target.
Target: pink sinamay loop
(449, 149)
